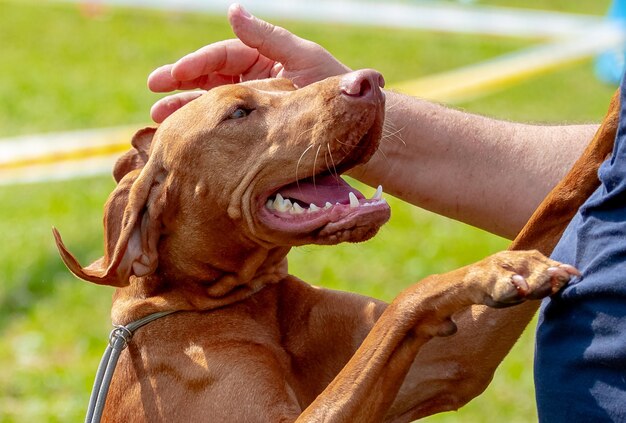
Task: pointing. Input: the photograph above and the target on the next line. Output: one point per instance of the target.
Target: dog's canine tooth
(296, 209)
(278, 201)
(379, 193)
(354, 202)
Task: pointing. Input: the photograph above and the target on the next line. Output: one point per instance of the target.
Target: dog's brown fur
(256, 344)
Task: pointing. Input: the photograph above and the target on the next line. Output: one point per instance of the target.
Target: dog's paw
(523, 275)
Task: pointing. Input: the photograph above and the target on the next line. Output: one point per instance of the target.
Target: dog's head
(236, 177)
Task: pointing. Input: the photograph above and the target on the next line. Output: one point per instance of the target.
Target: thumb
(271, 41)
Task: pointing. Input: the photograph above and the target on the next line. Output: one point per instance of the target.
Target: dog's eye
(239, 113)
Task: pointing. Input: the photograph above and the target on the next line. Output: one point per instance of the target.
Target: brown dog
(205, 212)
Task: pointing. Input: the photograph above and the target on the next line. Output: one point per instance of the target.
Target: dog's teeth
(327, 205)
(313, 208)
(281, 204)
(354, 202)
(296, 209)
(379, 193)
(280, 207)
(278, 201)
(270, 204)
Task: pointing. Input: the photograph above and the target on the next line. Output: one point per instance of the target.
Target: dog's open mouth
(324, 208)
(325, 205)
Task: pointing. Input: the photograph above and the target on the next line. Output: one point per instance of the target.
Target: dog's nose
(362, 83)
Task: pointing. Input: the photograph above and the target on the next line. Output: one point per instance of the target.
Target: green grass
(62, 70)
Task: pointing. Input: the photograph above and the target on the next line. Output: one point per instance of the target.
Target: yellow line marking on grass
(61, 156)
(65, 155)
(479, 79)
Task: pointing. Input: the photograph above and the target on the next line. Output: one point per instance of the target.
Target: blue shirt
(580, 358)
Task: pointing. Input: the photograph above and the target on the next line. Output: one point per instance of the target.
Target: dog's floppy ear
(132, 227)
(136, 157)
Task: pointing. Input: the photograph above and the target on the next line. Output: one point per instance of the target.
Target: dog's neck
(165, 290)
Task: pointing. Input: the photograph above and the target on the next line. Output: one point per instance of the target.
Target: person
(488, 173)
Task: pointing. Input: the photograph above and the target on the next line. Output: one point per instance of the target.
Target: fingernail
(244, 12)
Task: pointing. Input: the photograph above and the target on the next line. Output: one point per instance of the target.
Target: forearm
(489, 173)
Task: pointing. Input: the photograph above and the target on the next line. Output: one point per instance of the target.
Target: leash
(118, 340)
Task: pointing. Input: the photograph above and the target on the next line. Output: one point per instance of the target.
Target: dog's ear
(132, 227)
(136, 157)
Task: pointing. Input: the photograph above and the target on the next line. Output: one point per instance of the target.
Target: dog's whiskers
(332, 161)
(315, 164)
(380, 149)
(304, 132)
(330, 154)
(303, 153)
(298, 164)
(393, 136)
(348, 144)
(392, 106)
(390, 132)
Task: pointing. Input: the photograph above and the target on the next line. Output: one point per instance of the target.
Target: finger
(272, 41)
(228, 57)
(168, 105)
(212, 80)
(295, 58)
(161, 80)
(261, 69)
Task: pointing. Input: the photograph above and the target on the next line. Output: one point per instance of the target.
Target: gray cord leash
(118, 341)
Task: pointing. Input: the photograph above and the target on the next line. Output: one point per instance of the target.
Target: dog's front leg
(366, 387)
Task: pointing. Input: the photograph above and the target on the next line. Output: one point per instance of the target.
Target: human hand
(261, 50)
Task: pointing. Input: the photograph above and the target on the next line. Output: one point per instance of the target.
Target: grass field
(63, 70)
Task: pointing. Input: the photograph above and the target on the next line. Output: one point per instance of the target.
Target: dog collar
(118, 340)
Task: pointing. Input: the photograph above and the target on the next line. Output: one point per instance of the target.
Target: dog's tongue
(323, 189)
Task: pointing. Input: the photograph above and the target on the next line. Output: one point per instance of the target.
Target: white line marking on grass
(429, 16)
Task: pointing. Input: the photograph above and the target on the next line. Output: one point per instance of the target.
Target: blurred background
(70, 66)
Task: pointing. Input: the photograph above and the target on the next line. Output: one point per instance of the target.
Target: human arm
(485, 172)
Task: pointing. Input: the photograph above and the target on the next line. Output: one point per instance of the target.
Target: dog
(206, 209)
